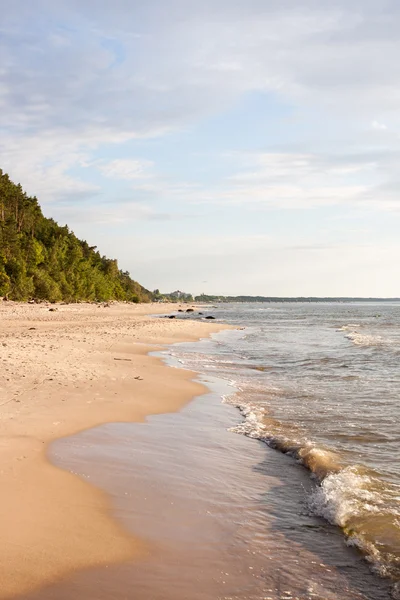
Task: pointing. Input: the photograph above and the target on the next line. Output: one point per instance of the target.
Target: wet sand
(64, 371)
(224, 516)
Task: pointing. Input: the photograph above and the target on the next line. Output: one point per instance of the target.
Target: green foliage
(39, 259)
(177, 296)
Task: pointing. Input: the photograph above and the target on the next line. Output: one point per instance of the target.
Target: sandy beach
(65, 369)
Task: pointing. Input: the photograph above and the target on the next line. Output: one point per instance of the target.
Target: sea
(280, 483)
(320, 383)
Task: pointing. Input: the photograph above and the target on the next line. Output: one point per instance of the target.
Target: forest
(40, 260)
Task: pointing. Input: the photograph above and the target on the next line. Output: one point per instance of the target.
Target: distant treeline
(179, 296)
(176, 296)
(207, 298)
(41, 260)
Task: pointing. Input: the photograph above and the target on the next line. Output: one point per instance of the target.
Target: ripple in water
(321, 384)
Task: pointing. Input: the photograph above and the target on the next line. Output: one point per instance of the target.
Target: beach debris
(32, 328)
(128, 359)
(138, 378)
(52, 309)
(172, 317)
(210, 317)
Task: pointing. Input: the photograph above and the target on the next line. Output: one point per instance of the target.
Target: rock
(190, 310)
(209, 317)
(172, 317)
(52, 309)
(180, 310)
(200, 313)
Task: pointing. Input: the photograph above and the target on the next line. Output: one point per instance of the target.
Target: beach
(123, 474)
(65, 369)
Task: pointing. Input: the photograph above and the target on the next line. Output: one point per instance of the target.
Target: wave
(349, 496)
(361, 339)
(348, 326)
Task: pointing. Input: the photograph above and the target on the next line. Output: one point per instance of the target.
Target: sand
(63, 371)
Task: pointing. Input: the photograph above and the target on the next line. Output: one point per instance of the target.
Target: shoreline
(63, 372)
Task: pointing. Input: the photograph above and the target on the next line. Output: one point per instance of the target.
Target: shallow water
(321, 382)
(225, 516)
(229, 517)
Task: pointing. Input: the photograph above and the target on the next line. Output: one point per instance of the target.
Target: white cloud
(42, 165)
(303, 181)
(378, 126)
(117, 212)
(266, 265)
(126, 168)
(81, 80)
(179, 60)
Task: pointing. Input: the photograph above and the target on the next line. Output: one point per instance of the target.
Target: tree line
(41, 260)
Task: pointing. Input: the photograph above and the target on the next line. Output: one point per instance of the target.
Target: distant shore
(63, 371)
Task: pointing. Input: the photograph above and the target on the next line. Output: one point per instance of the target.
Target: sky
(216, 146)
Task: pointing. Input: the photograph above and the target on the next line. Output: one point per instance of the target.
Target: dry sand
(61, 372)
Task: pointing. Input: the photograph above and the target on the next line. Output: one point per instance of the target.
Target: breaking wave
(350, 496)
(353, 334)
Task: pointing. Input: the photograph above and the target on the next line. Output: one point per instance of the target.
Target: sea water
(320, 382)
(282, 483)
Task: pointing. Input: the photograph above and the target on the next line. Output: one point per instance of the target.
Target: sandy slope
(59, 375)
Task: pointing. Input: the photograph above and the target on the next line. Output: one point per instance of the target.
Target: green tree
(40, 259)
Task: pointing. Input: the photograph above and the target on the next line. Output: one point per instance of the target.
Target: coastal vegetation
(204, 298)
(214, 299)
(176, 296)
(41, 260)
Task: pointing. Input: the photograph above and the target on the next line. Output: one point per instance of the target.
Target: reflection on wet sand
(225, 516)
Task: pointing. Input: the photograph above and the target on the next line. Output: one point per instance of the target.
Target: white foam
(348, 326)
(342, 496)
(361, 339)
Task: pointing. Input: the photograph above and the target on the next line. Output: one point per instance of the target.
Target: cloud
(296, 181)
(43, 163)
(132, 70)
(109, 74)
(103, 107)
(378, 126)
(143, 69)
(291, 181)
(115, 213)
(126, 169)
(266, 265)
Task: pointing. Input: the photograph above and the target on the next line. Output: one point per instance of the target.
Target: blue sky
(225, 146)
